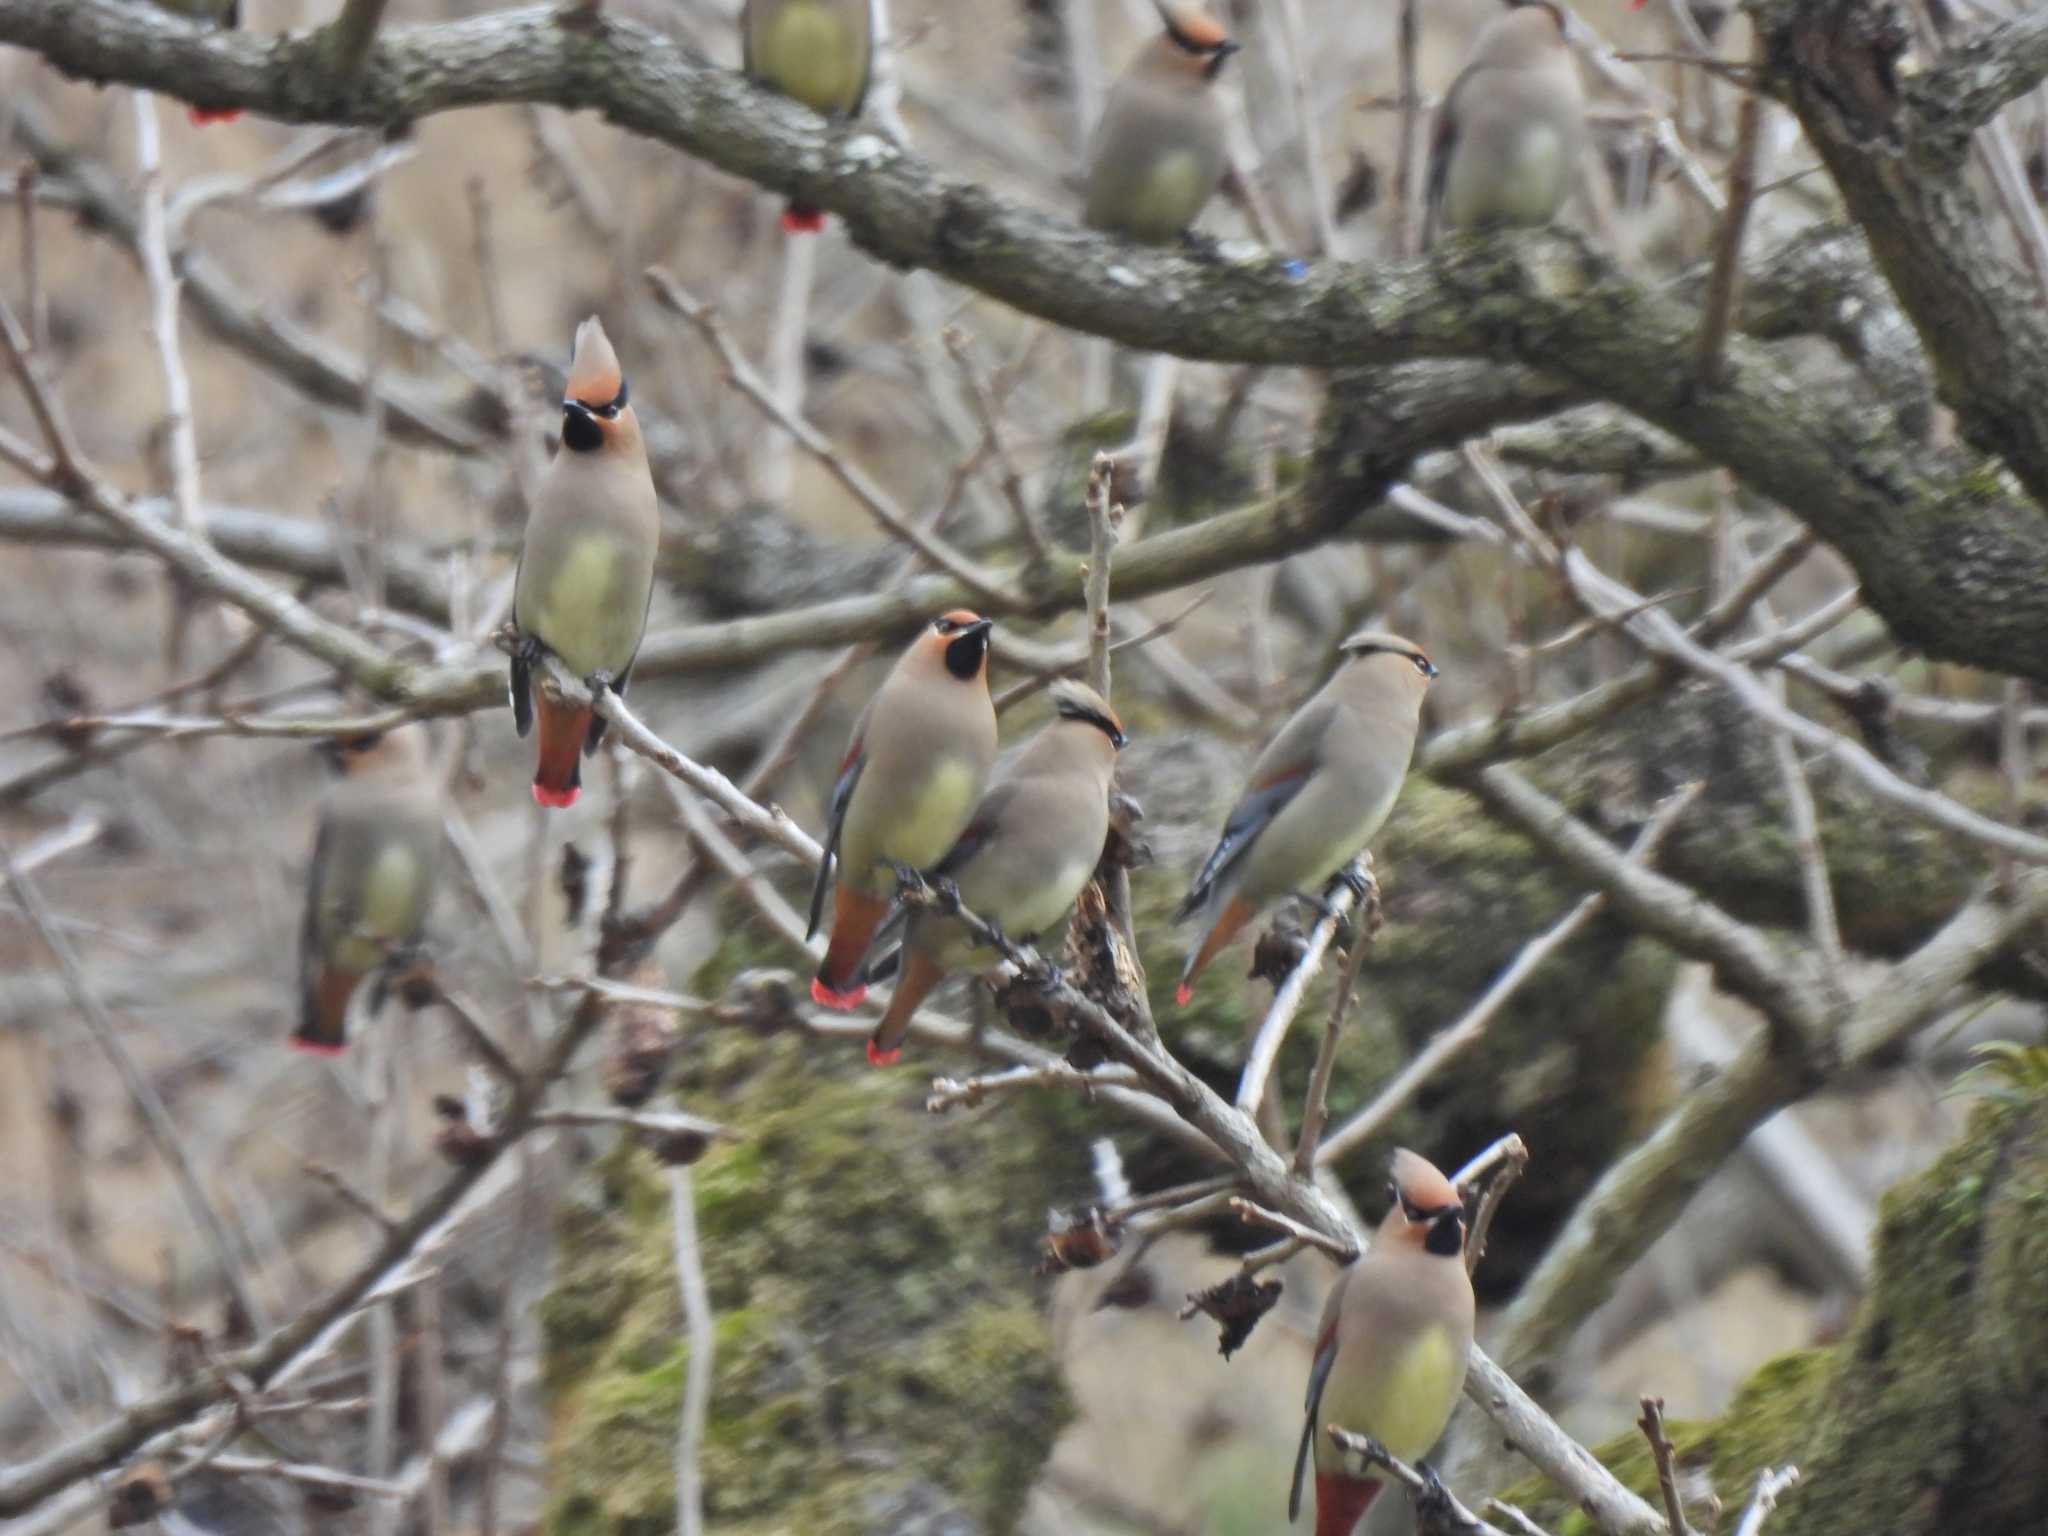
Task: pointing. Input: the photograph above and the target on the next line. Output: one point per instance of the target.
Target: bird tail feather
(920, 974)
(558, 777)
(1235, 914)
(323, 1022)
(1341, 1502)
(855, 917)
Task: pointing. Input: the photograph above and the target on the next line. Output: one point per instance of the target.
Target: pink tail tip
(318, 1047)
(825, 997)
(1183, 996)
(881, 1058)
(802, 221)
(203, 116)
(554, 799)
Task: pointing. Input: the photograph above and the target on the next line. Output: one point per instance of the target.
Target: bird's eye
(944, 626)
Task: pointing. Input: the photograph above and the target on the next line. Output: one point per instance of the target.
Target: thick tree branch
(1978, 78)
(1941, 554)
(1886, 123)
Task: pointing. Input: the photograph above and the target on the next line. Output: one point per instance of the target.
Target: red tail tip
(881, 1058)
(802, 221)
(203, 116)
(1341, 1502)
(555, 799)
(318, 1047)
(1183, 996)
(825, 997)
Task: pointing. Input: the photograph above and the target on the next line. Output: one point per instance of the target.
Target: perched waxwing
(818, 52)
(1318, 793)
(586, 574)
(913, 774)
(225, 14)
(372, 879)
(1391, 1352)
(1509, 134)
(1026, 852)
(1158, 152)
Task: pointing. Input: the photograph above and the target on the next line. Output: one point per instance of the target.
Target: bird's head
(1197, 34)
(959, 641)
(596, 412)
(1427, 1212)
(1078, 702)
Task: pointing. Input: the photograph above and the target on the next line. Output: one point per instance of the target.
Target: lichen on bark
(883, 1362)
(1926, 1417)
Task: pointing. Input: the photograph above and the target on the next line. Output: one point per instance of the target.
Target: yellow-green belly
(583, 615)
(388, 911)
(1407, 1404)
(810, 53)
(918, 833)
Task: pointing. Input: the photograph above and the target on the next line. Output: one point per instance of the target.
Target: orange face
(961, 638)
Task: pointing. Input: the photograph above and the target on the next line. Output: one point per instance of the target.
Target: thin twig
(1470, 1027)
(1338, 901)
(156, 1119)
(1104, 519)
(1665, 637)
(952, 1093)
(348, 37)
(697, 1376)
(158, 268)
(1315, 1114)
(1036, 550)
(1652, 1426)
(1455, 1517)
(1500, 1165)
(1771, 1484)
(35, 302)
(880, 505)
(1406, 39)
(433, 1404)
(1258, 1215)
(1718, 308)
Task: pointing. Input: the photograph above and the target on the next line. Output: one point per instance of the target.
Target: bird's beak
(1428, 668)
(979, 627)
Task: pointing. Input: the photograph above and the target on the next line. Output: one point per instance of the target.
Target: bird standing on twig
(1158, 153)
(1318, 793)
(1391, 1351)
(818, 52)
(1030, 846)
(915, 769)
(1511, 129)
(586, 572)
(372, 879)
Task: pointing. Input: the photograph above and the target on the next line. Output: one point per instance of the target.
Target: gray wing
(1443, 141)
(1318, 1373)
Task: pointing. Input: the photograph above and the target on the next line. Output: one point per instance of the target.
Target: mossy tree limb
(1955, 565)
(1926, 1418)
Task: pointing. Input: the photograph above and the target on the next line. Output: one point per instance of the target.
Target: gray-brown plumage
(912, 775)
(586, 570)
(1158, 153)
(1511, 129)
(1391, 1352)
(375, 861)
(1029, 847)
(818, 52)
(1318, 793)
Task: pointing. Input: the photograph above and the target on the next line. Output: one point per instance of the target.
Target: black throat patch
(963, 656)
